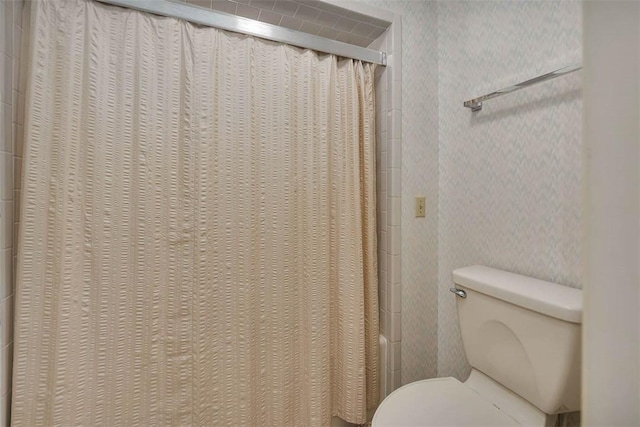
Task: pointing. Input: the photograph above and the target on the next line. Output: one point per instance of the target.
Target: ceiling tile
(376, 33)
(346, 24)
(359, 40)
(327, 32)
(363, 29)
(327, 19)
(380, 23)
(247, 11)
(343, 37)
(306, 13)
(356, 16)
(270, 17)
(290, 22)
(327, 7)
(310, 27)
(201, 3)
(309, 3)
(285, 7)
(262, 4)
(225, 6)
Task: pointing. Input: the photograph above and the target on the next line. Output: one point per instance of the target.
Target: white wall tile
(395, 269)
(382, 179)
(396, 300)
(5, 363)
(389, 239)
(5, 127)
(6, 76)
(5, 403)
(394, 126)
(394, 153)
(394, 184)
(397, 379)
(15, 63)
(6, 330)
(17, 15)
(6, 170)
(3, 18)
(6, 217)
(384, 321)
(389, 380)
(383, 300)
(396, 327)
(6, 287)
(20, 109)
(396, 355)
(382, 222)
(396, 98)
(11, 100)
(18, 138)
(395, 236)
(395, 211)
(383, 262)
(382, 279)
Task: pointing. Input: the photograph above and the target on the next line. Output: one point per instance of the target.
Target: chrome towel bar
(476, 103)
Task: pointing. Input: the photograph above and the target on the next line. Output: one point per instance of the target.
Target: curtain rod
(476, 103)
(242, 25)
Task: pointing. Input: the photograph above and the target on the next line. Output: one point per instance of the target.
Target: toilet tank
(524, 333)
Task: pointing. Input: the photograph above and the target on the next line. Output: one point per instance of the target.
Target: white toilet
(522, 340)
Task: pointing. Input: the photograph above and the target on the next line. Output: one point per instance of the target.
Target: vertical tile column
(393, 141)
(389, 176)
(11, 131)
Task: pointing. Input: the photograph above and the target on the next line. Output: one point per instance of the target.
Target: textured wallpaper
(510, 175)
(419, 178)
(503, 186)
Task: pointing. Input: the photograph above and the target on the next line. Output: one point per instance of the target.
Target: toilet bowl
(522, 339)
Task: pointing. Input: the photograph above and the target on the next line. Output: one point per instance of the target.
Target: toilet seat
(438, 402)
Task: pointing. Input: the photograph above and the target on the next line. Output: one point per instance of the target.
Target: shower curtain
(198, 234)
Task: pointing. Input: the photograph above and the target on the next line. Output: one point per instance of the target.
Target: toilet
(522, 339)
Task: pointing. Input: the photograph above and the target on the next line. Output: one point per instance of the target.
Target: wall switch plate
(420, 207)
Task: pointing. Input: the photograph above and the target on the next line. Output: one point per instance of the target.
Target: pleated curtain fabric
(198, 232)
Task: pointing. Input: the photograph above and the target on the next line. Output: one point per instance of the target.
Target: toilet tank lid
(551, 299)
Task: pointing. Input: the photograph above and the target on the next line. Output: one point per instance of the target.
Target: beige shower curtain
(198, 235)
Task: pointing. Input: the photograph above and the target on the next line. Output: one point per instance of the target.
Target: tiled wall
(511, 174)
(388, 164)
(11, 121)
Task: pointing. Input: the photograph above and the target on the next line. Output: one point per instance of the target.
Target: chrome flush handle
(459, 292)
